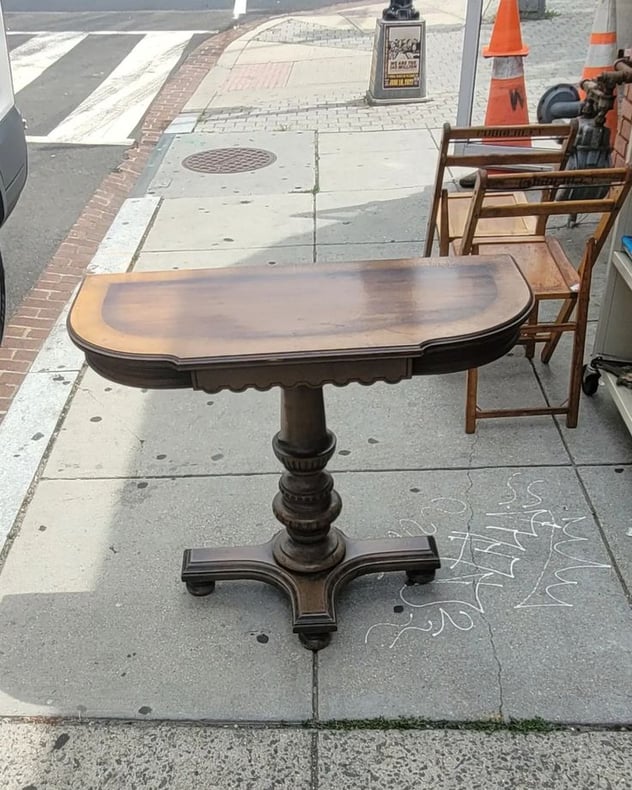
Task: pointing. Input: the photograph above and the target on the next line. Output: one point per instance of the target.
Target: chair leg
(530, 344)
(577, 363)
(562, 317)
(471, 388)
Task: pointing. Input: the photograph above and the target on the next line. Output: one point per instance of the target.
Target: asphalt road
(64, 171)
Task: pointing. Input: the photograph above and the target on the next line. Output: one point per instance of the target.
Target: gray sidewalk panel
(117, 756)
(525, 619)
(378, 216)
(451, 760)
(610, 489)
(293, 170)
(361, 172)
(375, 144)
(333, 253)
(97, 623)
(217, 259)
(411, 425)
(232, 222)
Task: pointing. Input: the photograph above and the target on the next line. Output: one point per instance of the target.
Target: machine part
(592, 150)
(622, 369)
(590, 380)
(560, 101)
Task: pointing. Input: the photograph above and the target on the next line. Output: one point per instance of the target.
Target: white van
(13, 155)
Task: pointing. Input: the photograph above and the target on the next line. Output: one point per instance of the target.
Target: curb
(36, 316)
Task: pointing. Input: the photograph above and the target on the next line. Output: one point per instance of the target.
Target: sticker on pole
(402, 56)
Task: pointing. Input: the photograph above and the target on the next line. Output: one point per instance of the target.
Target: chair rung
(487, 414)
(535, 329)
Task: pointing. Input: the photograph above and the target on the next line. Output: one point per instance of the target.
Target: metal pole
(471, 42)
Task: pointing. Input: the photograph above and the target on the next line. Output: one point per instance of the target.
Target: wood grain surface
(199, 318)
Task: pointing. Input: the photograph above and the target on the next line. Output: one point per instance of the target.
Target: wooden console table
(299, 328)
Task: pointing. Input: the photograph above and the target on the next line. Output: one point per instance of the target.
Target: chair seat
(458, 207)
(543, 263)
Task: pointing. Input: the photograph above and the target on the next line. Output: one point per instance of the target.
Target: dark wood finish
(299, 328)
(545, 265)
(451, 207)
(249, 326)
(309, 560)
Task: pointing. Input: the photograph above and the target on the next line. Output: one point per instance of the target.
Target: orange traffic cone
(507, 102)
(506, 40)
(602, 52)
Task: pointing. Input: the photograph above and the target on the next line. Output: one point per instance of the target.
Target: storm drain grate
(229, 160)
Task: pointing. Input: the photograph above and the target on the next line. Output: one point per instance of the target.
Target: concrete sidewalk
(112, 676)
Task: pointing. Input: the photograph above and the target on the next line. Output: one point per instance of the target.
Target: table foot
(419, 577)
(200, 590)
(315, 642)
(312, 595)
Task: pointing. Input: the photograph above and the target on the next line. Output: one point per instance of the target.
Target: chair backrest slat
(541, 157)
(546, 208)
(617, 181)
(562, 135)
(528, 131)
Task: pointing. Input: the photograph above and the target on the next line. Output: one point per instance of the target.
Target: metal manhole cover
(229, 160)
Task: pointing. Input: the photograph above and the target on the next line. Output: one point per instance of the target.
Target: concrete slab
(452, 760)
(332, 21)
(96, 622)
(25, 432)
(416, 424)
(77, 756)
(293, 171)
(125, 235)
(232, 222)
(124, 432)
(392, 169)
(281, 98)
(379, 216)
(333, 253)
(273, 52)
(379, 143)
(58, 353)
(515, 621)
(326, 71)
(217, 259)
(610, 490)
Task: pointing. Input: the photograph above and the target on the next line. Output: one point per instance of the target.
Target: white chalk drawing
(490, 557)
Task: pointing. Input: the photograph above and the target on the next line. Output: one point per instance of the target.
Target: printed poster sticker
(402, 57)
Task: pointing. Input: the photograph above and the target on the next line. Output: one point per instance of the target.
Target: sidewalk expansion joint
(593, 510)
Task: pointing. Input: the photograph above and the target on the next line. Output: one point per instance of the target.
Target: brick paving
(259, 75)
(554, 56)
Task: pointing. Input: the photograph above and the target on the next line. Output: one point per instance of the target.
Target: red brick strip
(36, 316)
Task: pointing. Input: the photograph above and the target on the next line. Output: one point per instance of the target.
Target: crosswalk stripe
(114, 109)
(33, 57)
(108, 32)
(110, 114)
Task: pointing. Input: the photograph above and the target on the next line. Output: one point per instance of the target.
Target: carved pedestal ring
(308, 559)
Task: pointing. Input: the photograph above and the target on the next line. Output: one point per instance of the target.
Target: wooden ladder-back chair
(449, 209)
(544, 264)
